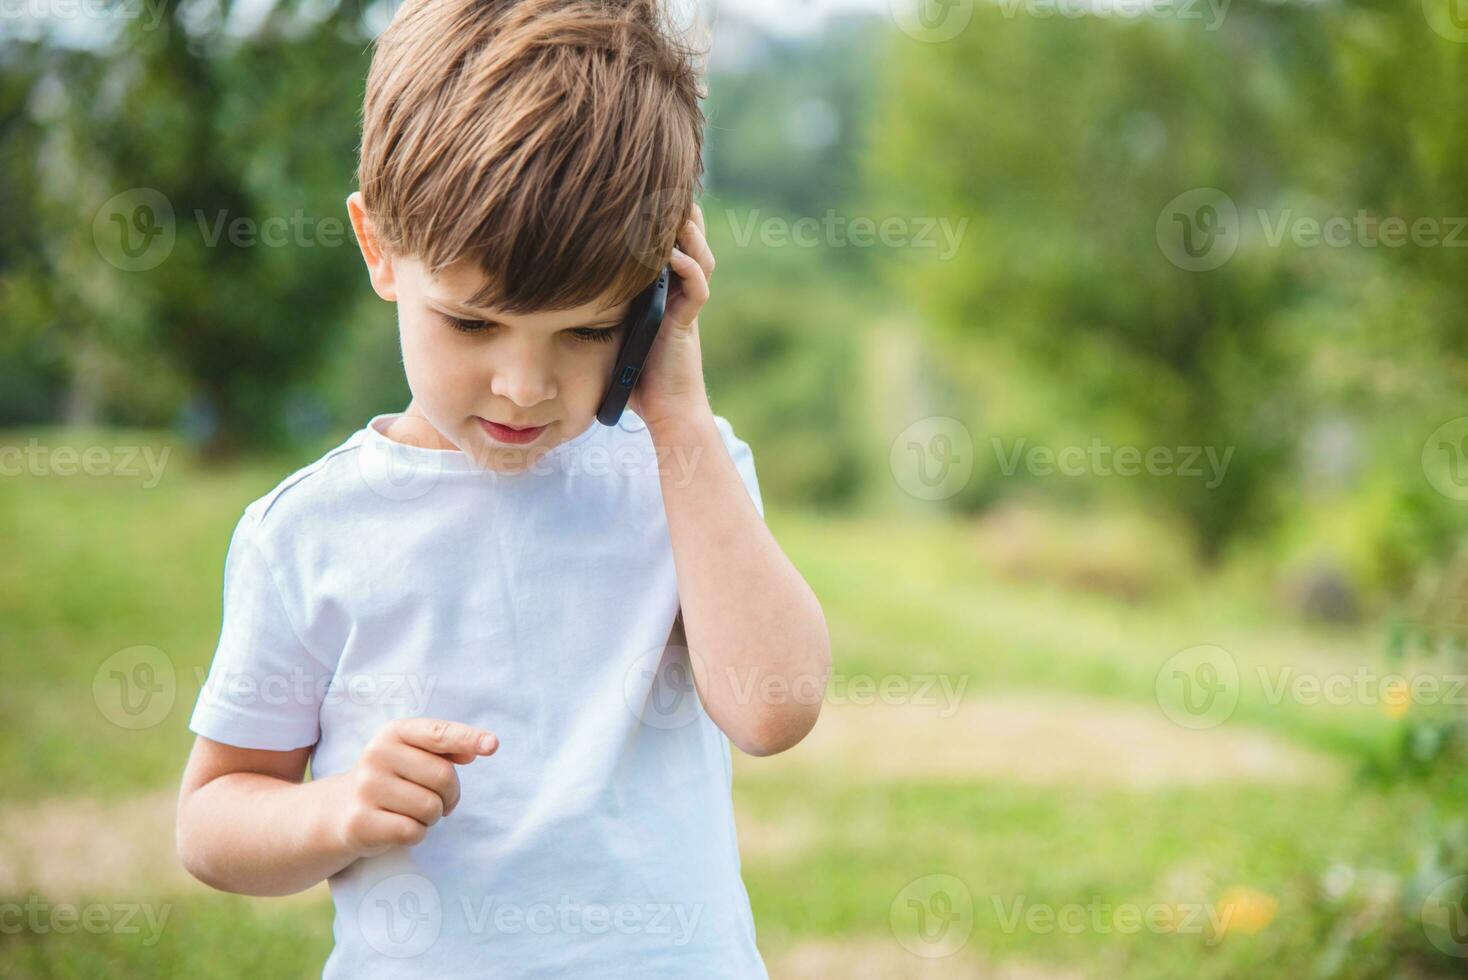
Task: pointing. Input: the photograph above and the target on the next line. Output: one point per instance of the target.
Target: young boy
(597, 611)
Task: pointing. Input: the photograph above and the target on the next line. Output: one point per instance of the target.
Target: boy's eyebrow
(469, 313)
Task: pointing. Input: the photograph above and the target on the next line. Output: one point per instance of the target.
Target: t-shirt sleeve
(264, 688)
(743, 458)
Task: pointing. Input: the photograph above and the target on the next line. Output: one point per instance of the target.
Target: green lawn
(100, 564)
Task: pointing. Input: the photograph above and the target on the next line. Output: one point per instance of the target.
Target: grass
(100, 564)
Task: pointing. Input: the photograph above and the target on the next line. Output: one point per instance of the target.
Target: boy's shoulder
(314, 491)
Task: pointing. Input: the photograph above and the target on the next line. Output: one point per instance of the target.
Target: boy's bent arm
(248, 824)
(757, 638)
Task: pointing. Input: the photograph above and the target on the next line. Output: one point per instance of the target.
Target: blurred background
(1103, 362)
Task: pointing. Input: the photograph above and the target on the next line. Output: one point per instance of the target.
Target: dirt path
(73, 848)
(1038, 739)
(881, 958)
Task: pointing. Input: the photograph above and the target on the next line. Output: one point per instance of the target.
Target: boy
(492, 572)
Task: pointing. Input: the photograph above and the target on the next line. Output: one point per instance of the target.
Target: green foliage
(1065, 139)
(249, 142)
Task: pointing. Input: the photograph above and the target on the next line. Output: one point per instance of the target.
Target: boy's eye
(466, 326)
(592, 335)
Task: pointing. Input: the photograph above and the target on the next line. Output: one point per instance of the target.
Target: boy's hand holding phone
(405, 782)
(671, 385)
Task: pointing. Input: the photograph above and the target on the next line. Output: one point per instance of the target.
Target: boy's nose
(526, 385)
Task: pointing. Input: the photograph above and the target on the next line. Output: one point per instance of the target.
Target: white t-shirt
(387, 580)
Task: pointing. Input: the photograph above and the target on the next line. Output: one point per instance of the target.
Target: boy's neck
(412, 429)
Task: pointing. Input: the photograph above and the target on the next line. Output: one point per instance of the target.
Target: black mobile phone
(643, 320)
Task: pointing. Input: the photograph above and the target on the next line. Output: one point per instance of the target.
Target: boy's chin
(490, 455)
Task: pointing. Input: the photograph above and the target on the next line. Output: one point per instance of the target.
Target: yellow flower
(1245, 910)
(1395, 698)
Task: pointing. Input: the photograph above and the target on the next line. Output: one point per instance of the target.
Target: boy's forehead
(455, 286)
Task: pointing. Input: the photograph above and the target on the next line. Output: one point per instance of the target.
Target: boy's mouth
(509, 434)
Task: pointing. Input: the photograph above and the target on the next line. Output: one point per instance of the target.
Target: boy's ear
(379, 261)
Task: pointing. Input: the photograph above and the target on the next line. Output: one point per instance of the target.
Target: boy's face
(471, 368)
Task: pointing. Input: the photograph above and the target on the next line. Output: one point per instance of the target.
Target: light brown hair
(557, 143)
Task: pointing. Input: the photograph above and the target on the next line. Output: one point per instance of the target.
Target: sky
(75, 21)
(796, 16)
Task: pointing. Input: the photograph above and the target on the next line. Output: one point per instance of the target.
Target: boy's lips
(509, 434)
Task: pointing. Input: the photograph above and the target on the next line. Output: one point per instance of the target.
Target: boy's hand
(405, 781)
(671, 385)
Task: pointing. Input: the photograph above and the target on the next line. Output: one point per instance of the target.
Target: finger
(692, 241)
(433, 772)
(698, 218)
(394, 828)
(693, 290)
(447, 737)
(398, 795)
